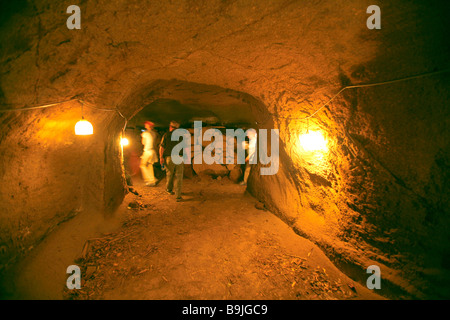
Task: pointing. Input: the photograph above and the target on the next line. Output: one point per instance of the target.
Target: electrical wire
(97, 108)
(81, 101)
(304, 118)
(126, 120)
(84, 103)
(39, 107)
(363, 86)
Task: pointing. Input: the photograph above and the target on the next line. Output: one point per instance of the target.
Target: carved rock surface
(379, 195)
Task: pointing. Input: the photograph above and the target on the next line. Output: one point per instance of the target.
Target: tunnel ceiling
(190, 101)
(237, 45)
(284, 53)
(161, 112)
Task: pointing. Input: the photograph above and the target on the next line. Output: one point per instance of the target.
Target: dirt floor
(219, 243)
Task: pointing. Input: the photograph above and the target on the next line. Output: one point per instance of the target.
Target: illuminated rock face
(378, 195)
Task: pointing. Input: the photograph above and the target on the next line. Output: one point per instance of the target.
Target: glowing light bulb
(313, 141)
(124, 142)
(84, 128)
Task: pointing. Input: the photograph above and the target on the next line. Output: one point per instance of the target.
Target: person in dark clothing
(174, 172)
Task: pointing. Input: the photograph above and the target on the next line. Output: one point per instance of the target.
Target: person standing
(174, 172)
(149, 155)
(250, 159)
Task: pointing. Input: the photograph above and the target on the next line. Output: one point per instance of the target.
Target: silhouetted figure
(174, 172)
(251, 155)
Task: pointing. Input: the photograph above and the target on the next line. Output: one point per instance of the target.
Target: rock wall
(379, 195)
(49, 175)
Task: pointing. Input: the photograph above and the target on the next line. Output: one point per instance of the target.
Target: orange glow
(124, 142)
(313, 141)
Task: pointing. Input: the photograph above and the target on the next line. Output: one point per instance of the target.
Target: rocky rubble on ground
(306, 281)
(112, 257)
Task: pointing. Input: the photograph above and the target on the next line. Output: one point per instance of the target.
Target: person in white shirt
(249, 160)
(149, 156)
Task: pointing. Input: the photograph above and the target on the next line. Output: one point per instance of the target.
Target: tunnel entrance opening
(185, 103)
(161, 112)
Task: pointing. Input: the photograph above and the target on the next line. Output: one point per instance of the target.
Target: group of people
(174, 172)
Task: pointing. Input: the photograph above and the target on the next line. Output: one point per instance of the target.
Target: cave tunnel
(361, 119)
(215, 107)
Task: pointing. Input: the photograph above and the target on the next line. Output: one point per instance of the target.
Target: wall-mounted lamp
(313, 141)
(124, 142)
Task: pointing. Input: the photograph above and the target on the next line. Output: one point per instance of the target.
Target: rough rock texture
(235, 174)
(378, 196)
(215, 170)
